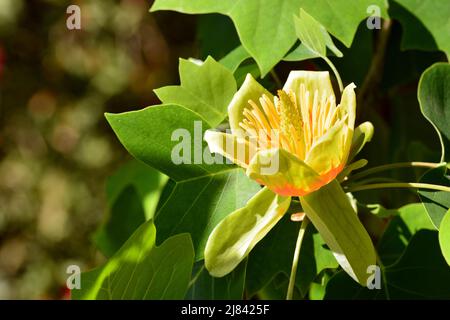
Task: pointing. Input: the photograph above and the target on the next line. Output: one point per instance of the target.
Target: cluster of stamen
(290, 123)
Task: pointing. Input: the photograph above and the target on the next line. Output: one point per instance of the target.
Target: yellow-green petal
(250, 90)
(313, 80)
(363, 134)
(238, 150)
(331, 212)
(236, 235)
(330, 152)
(348, 105)
(283, 172)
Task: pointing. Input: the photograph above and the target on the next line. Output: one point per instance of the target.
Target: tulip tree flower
(297, 144)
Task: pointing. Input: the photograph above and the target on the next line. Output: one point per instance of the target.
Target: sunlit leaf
(444, 237)
(266, 27)
(433, 14)
(205, 88)
(313, 35)
(140, 270)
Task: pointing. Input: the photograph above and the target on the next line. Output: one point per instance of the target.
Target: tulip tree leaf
(437, 203)
(205, 88)
(280, 243)
(199, 194)
(153, 134)
(209, 44)
(147, 181)
(408, 220)
(420, 273)
(313, 35)
(206, 287)
(300, 53)
(234, 58)
(197, 205)
(433, 14)
(434, 99)
(132, 195)
(266, 27)
(444, 237)
(415, 35)
(331, 212)
(140, 270)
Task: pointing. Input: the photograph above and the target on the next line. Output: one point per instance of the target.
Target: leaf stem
(398, 185)
(298, 245)
(195, 278)
(336, 73)
(394, 166)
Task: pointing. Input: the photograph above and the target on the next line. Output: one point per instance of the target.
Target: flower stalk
(298, 245)
(410, 185)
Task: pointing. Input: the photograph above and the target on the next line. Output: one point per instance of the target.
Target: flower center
(290, 122)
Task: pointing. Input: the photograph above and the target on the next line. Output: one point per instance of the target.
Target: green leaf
(147, 181)
(200, 194)
(209, 44)
(275, 253)
(444, 237)
(415, 36)
(408, 220)
(236, 235)
(313, 35)
(434, 99)
(421, 273)
(234, 58)
(437, 203)
(155, 134)
(205, 88)
(140, 270)
(266, 27)
(205, 287)
(331, 212)
(197, 205)
(132, 195)
(300, 53)
(433, 14)
(340, 20)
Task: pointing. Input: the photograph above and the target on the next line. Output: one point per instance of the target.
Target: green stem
(195, 278)
(398, 185)
(368, 181)
(336, 73)
(298, 245)
(394, 166)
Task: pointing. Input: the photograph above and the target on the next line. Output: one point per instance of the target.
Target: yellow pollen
(290, 122)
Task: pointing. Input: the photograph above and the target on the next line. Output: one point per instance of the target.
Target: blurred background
(56, 149)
